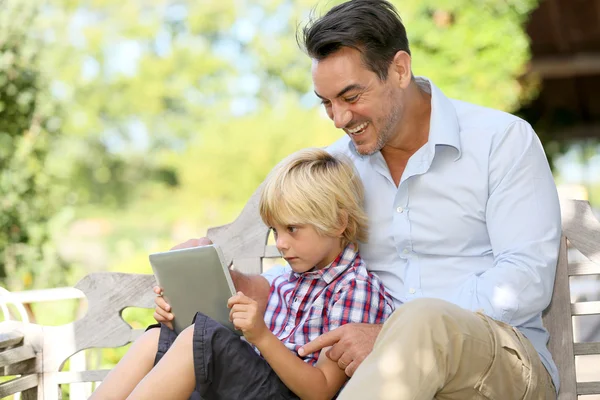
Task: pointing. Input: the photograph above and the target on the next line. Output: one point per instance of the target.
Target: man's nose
(341, 116)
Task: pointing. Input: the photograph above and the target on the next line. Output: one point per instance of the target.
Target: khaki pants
(432, 349)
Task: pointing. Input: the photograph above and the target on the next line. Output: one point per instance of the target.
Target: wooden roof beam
(577, 132)
(566, 66)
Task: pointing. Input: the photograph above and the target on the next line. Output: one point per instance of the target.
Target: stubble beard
(388, 124)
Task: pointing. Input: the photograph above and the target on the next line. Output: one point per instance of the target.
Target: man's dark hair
(373, 27)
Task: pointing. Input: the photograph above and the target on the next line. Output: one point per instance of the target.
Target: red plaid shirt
(303, 306)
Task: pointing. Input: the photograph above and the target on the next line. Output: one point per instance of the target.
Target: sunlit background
(127, 127)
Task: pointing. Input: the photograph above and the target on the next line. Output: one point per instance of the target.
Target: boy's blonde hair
(314, 187)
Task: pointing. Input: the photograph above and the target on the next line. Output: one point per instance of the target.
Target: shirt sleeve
(275, 271)
(361, 302)
(524, 227)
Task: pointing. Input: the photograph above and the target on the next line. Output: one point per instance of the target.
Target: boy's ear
(343, 220)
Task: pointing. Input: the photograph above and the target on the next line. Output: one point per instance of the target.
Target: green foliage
(29, 195)
(473, 50)
(134, 78)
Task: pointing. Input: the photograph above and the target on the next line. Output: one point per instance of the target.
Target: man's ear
(402, 68)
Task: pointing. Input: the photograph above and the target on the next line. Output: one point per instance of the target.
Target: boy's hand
(246, 317)
(162, 312)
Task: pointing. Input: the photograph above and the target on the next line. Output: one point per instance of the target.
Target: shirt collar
(338, 266)
(444, 128)
(443, 124)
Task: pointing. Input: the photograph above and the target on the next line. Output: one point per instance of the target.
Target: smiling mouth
(357, 130)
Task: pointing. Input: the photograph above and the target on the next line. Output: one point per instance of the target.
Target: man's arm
(254, 286)
(524, 226)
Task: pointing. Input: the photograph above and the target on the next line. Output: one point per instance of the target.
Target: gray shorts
(226, 367)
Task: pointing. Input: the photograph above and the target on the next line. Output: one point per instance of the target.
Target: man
(464, 224)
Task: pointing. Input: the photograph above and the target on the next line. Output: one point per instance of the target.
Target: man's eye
(351, 99)
(326, 103)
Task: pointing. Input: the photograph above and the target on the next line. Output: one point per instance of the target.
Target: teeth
(358, 128)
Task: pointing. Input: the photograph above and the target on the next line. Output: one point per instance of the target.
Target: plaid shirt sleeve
(359, 301)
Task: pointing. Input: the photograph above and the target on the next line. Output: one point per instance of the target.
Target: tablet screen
(194, 280)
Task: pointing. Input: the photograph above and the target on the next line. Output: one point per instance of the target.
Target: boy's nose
(281, 243)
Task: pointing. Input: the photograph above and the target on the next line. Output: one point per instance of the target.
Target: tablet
(194, 280)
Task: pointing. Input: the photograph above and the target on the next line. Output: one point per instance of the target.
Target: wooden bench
(38, 353)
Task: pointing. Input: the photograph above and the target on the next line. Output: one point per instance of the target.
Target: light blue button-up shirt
(475, 219)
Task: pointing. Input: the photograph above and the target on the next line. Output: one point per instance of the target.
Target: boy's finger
(160, 319)
(157, 289)
(239, 298)
(239, 308)
(241, 313)
(239, 323)
(231, 301)
(235, 312)
(161, 303)
(244, 299)
(166, 315)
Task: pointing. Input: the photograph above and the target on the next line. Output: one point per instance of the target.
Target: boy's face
(304, 248)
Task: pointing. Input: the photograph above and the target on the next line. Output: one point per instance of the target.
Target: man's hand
(203, 241)
(351, 343)
(162, 312)
(246, 317)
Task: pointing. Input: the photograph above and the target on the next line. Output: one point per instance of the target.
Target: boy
(313, 201)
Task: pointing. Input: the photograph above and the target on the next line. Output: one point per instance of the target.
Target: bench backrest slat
(582, 230)
(557, 319)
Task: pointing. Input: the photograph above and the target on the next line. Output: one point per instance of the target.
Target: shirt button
(400, 209)
(287, 328)
(405, 251)
(412, 291)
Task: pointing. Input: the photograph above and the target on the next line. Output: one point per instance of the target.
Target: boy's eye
(292, 229)
(274, 232)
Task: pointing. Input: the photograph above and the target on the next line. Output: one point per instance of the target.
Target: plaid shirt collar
(337, 267)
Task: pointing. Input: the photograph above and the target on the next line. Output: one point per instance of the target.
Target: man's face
(366, 108)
